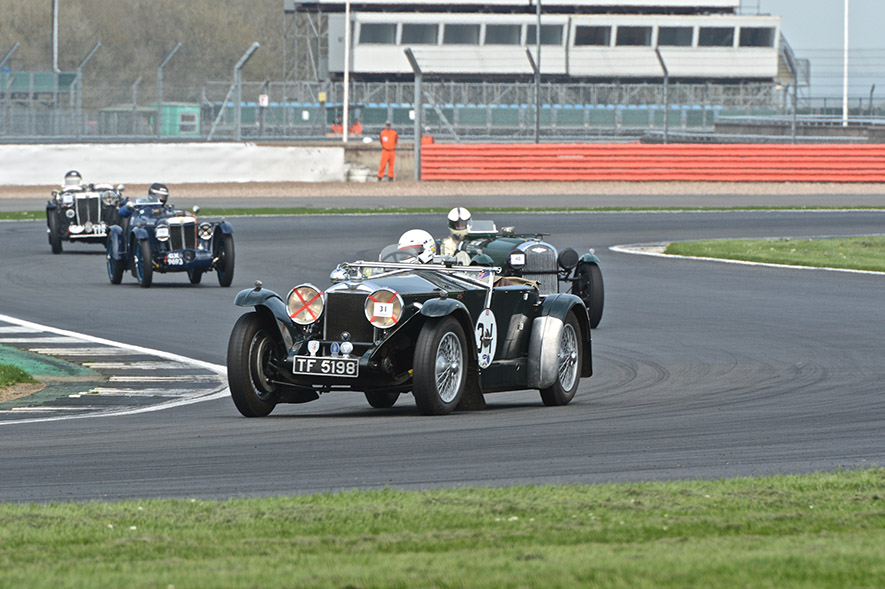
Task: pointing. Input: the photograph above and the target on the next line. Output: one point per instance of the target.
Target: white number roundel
(486, 338)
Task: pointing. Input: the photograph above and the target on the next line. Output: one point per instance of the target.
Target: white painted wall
(145, 163)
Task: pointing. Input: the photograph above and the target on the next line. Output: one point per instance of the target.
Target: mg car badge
(313, 346)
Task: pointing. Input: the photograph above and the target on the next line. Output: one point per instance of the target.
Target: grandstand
(581, 41)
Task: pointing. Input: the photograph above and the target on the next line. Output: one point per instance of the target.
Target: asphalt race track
(702, 370)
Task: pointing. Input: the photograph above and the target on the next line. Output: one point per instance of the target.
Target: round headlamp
(162, 232)
(305, 304)
(70, 213)
(108, 197)
(205, 231)
(384, 308)
(67, 199)
(568, 259)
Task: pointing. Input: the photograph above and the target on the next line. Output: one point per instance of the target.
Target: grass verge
(245, 212)
(854, 253)
(11, 374)
(817, 530)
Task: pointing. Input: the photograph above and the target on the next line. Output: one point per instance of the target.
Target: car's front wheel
(254, 354)
(54, 234)
(588, 286)
(194, 275)
(115, 267)
(143, 263)
(225, 263)
(440, 366)
(568, 365)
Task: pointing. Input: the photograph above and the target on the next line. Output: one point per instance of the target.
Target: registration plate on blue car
(347, 367)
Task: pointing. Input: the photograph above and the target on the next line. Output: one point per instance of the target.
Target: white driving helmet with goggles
(418, 243)
(459, 220)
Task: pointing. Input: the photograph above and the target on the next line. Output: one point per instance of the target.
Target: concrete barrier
(144, 163)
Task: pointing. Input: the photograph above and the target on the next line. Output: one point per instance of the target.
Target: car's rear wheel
(115, 267)
(381, 400)
(589, 286)
(194, 275)
(143, 263)
(54, 233)
(440, 366)
(568, 365)
(254, 354)
(225, 264)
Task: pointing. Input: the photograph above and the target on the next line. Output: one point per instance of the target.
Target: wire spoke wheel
(568, 365)
(439, 367)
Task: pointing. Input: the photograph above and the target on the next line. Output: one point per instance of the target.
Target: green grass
(21, 215)
(855, 253)
(11, 374)
(818, 530)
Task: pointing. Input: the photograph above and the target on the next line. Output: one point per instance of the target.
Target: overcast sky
(814, 29)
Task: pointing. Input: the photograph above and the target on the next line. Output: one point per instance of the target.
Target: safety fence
(641, 162)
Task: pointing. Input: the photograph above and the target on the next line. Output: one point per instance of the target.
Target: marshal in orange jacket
(389, 138)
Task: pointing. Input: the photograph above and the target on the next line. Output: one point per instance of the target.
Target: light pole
(538, 74)
(238, 81)
(55, 36)
(159, 122)
(845, 71)
(346, 122)
(79, 79)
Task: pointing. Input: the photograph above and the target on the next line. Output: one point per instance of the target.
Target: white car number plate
(174, 259)
(348, 367)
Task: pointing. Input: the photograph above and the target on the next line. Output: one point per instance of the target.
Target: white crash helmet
(459, 219)
(73, 178)
(419, 243)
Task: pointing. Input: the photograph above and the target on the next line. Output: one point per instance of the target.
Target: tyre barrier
(642, 162)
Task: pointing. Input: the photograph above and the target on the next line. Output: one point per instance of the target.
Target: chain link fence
(305, 111)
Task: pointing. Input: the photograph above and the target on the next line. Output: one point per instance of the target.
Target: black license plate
(346, 367)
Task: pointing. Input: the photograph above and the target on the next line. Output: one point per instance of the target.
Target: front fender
(140, 233)
(116, 243)
(225, 228)
(455, 308)
(589, 258)
(268, 302)
(544, 340)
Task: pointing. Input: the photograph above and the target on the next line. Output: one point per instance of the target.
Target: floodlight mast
(238, 80)
(159, 123)
(845, 70)
(419, 109)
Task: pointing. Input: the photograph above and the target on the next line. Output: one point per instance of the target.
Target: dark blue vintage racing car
(444, 333)
(155, 237)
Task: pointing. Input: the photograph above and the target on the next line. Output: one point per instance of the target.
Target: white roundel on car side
(486, 338)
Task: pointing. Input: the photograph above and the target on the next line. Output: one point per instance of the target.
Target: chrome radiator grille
(540, 265)
(87, 209)
(345, 312)
(183, 236)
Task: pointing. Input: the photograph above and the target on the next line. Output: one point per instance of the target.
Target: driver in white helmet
(459, 223)
(416, 245)
(73, 181)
